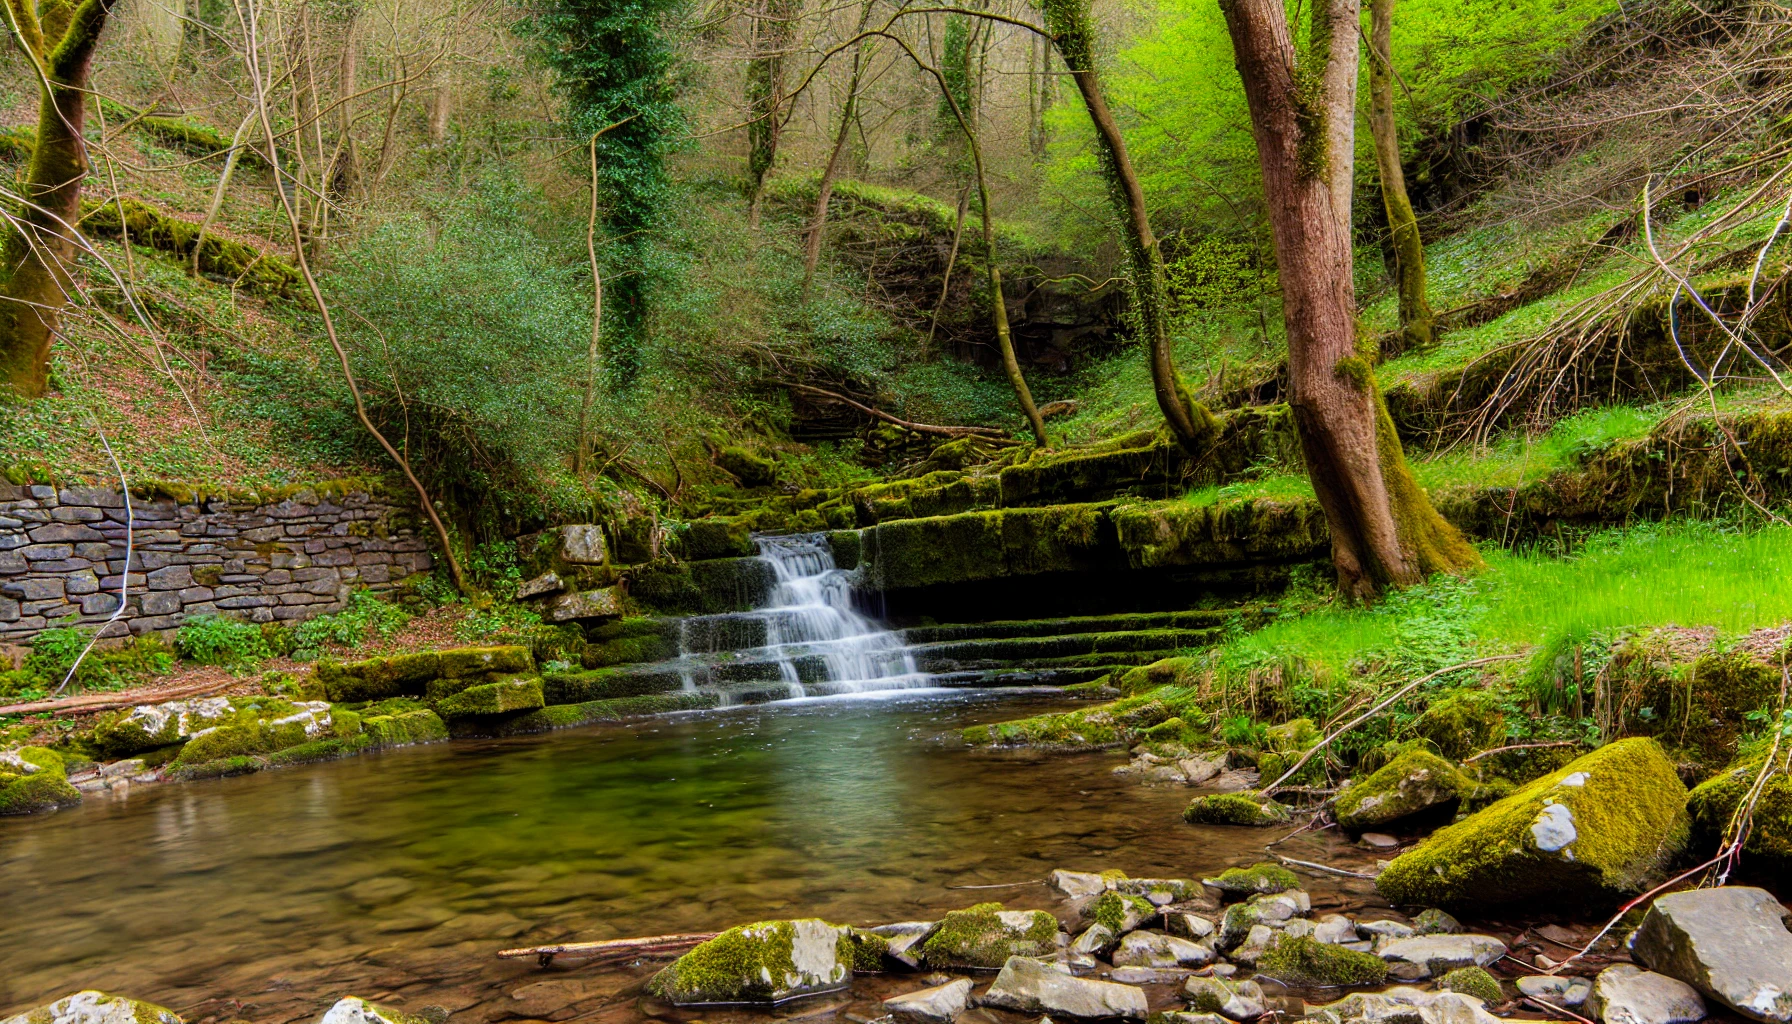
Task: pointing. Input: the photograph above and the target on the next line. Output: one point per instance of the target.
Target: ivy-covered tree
(616, 65)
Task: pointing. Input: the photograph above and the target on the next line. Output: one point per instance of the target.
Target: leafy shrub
(215, 640)
(365, 617)
(56, 650)
(1242, 731)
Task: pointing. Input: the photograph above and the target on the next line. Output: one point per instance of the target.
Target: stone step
(1069, 661)
(1033, 647)
(1203, 618)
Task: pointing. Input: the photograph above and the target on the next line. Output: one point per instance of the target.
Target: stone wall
(261, 557)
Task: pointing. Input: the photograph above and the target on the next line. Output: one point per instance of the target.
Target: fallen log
(610, 949)
(114, 701)
(920, 428)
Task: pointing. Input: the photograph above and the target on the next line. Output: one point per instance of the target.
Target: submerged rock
(1414, 782)
(1234, 1000)
(1606, 824)
(903, 937)
(355, 1010)
(34, 779)
(1403, 1004)
(95, 1007)
(986, 936)
(1627, 994)
(1095, 940)
(1235, 809)
(1429, 956)
(1033, 986)
(1260, 878)
(765, 962)
(936, 1005)
(1730, 943)
(1120, 912)
(1473, 981)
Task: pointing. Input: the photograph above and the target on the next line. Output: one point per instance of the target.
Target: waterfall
(806, 641)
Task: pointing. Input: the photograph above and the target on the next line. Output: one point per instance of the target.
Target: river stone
(355, 1010)
(1181, 1017)
(936, 1005)
(1149, 975)
(1032, 986)
(1273, 911)
(93, 1007)
(34, 779)
(1121, 912)
(1433, 921)
(1335, 930)
(1562, 990)
(1078, 884)
(904, 936)
(765, 962)
(1386, 929)
(148, 726)
(1403, 1004)
(1159, 892)
(1627, 994)
(1095, 940)
(1235, 809)
(1188, 926)
(1604, 825)
(1730, 943)
(1259, 879)
(1235, 1000)
(1416, 781)
(603, 603)
(1197, 770)
(1428, 956)
(1155, 949)
(540, 586)
(986, 936)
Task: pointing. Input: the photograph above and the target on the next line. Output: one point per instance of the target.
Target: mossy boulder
(34, 779)
(146, 727)
(1304, 960)
(462, 662)
(1473, 981)
(404, 728)
(522, 694)
(1462, 723)
(632, 640)
(94, 1007)
(764, 962)
(264, 725)
(1604, 825)
(1713, 803)
(1235, 809)
(355, 1010)
(378, 678)
(1119, 912)
(1260, 878)
(986, 935)
(1412, 783)
(751, 469)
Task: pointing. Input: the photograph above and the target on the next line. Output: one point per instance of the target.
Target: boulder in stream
(1155, 949)
(34, 779)
(148, 726)
(1234, 1000)
(1410, 784)
(903, 937)
(355, 1010)
(94, 1007)
(1403, 1004)
(1120, 912)
(986, 936)
(1027, 985)
(1627, 994)
(764, 962)
(936, 1005)
(1234, 809)
(1258, 879)
(1604, 825)
(1433, 956)
(1730, 943)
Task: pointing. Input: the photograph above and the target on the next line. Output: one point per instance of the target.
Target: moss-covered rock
(355, 1010)
(1604, 825)
(1303, 960)
(1713, 803)
(94, 1007)
(512, 695)
(631, 640)
(1462, 723)
(986, 935)
(132, 731)
(1412, 783)
(1234, 809)
(764, 962)
(34, 779)
(462, 662)
(404, 728)
(378, 678)
(1119, 912)
(1259, 878)
(1473, 981)
(264, 725)
(1105, 725)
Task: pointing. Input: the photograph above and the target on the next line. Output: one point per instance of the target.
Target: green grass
(1279, 487)
(1516, 459)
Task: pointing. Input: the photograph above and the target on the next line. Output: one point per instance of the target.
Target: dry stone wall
(262, 558)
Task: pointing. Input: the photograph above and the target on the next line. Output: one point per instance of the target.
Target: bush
(55, 651)
(215, 640)
(365, 617)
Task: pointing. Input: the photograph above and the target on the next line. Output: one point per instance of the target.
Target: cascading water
(806, 641)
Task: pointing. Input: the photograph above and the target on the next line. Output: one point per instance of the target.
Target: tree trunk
(37, 253)
(1384, 530)
(836, 157)
(1190, 422)
(345, 165)
(1416, 318)
(772, 31)
(441, 105)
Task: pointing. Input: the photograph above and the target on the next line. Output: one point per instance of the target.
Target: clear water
(397, 876)
(807, 641)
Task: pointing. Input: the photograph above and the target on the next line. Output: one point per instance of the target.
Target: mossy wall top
(283, 555)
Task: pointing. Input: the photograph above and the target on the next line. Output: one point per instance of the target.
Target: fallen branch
(1001, 885)
(609, 949)
(1372, 712)
(1521, 746)
(114, 701)
(919, 428)
(1328, 869)
(1545, 1004)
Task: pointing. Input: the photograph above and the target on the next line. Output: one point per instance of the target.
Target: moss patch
(34, 779)
(752, 963)
(1119, 912)
(985, 936)
(1473, 981)
(1303, 960)
(1713, 802)
(1412, 783)
(1234, 809)
(1258, 879)
(1462, 723)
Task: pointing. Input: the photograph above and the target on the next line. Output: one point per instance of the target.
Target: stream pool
(397, 876)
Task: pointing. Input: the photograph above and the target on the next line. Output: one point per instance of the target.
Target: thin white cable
(124, 578)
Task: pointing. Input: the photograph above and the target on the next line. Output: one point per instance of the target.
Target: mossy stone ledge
(500, 698)
(763, 962)
(1603, 826)
(34, 779)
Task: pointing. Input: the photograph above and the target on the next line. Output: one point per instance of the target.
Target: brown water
(397, 876)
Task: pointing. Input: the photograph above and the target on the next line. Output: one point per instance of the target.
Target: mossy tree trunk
(773, 27)
(1416, 319)
(1384, 530)
(1074, 36)
(824, 193)
(58, 38)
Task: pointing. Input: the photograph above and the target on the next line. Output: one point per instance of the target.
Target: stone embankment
(271, 557)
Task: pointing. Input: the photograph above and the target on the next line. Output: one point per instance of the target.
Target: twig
(1553, 1008)
(1002, 885)
(113, 701)
(609, 948)
(1521, 746)
(919, 428)
(1328, 869)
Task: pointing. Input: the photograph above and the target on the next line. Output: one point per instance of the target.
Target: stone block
(589, 604)
(96, 550)
(9, 541)
(9, 610)
(324, 586)
(52, 610)
(334, 558)
(102, 497)
(78, 583)
(47, 552)
(173, 577)
(77, 514)
(255, 601)
(296, 560)
(159, 602)
(262, 535)
(99, 604)
(61, 566)
(492, 699)
(582, 544)
(152, 623)
(376, 574)
(57, 533)
(261, 615)
(200, 608)
(190, 595)
(11, 562)
(114, 581)
(34, 589)
(275, 577)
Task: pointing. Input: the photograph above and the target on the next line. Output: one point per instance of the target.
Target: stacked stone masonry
(62, 555)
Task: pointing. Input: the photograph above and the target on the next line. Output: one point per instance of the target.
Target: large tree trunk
(1072, 32)
(1416, 319)
(772, 31)
(836, 158)
(1384, 530)
(36, 256)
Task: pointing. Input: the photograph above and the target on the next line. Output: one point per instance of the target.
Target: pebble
(1379, 840)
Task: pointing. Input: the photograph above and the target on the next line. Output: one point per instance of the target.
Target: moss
(242, 265)
(34, 779)
(320, 750)
(241, 764)
(1473, 981)
(1105, 725)
(1158, 673)
(1462, 723)
(1414, 782)
(1259, 878)
(863, 950)
(404, 728)
(1234, 809)
(462, 662)
(17, 142)
(1713, 803)
(1112, 908)
(1622, 808)
(747, 963)
(523, 694)
(978, 938)
(378, 678)
(604, 684)
(629, 640)
(1304, 960)
(620, 709)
